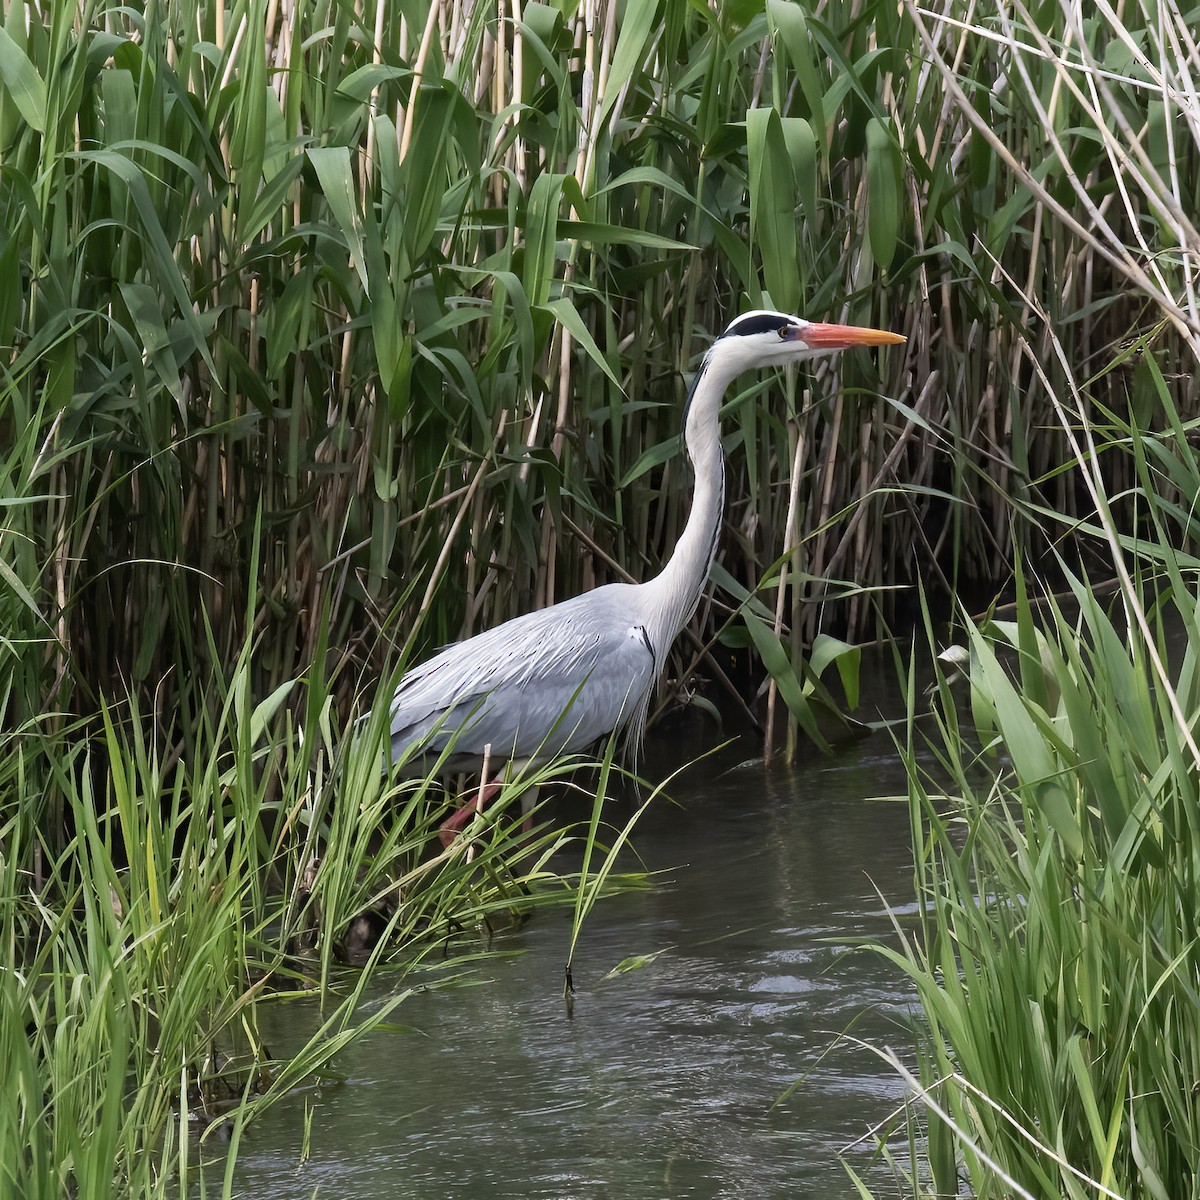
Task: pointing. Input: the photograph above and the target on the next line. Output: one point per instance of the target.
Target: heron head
(762, 338)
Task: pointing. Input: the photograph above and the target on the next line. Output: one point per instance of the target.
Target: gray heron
(555, 681)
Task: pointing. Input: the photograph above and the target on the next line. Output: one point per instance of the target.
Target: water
(665, 1082)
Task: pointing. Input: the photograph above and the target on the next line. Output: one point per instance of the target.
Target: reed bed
(1057, 847)
(330, 333)
(424, 284)
(1054, 766)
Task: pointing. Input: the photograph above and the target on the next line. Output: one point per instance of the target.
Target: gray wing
(543, 684)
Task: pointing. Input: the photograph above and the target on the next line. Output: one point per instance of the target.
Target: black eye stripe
(757, 323)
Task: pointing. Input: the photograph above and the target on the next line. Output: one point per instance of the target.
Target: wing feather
(546, 683)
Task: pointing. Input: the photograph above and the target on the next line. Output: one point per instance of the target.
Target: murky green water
(664, 1083)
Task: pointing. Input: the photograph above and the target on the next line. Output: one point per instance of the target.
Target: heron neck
(678, 587)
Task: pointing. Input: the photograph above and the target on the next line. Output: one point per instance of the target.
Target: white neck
(674, 593)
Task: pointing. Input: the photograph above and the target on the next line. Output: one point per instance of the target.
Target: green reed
(1057, 848)
(1053, 769)
(1054, 778)
(427, 284)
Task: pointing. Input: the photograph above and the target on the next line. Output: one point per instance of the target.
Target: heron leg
(458, 820)
(461, 817)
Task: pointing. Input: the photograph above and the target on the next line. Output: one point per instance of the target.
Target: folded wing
(543, 684)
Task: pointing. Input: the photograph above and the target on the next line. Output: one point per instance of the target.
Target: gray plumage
(544, 684)
(555, 681)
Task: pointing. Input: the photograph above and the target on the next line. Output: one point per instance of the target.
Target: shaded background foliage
(420, 286)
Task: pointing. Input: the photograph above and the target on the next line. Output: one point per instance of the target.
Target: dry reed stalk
(431, 24)
(460, 515)
(1109, 247)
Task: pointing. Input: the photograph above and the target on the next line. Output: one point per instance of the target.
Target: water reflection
(665, 1082)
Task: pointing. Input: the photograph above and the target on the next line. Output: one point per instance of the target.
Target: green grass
(1056, 960)
(176, 895)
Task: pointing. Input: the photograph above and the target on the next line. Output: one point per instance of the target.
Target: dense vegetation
(330, 332)
(1054, 772)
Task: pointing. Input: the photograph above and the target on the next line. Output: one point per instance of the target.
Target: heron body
(555, 681)
(544, 684)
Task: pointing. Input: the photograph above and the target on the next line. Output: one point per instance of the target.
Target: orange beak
(842, 337)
